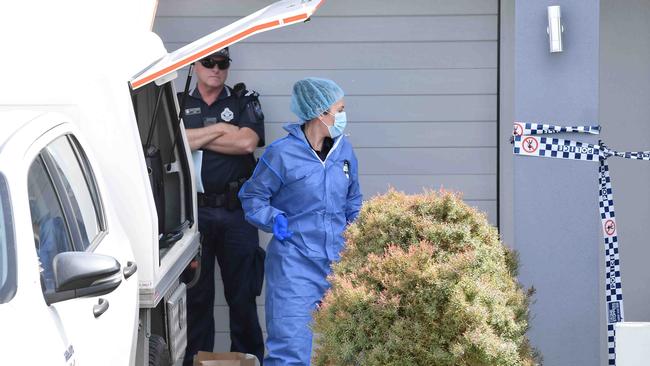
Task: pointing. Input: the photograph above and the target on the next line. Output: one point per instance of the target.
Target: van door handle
(130, 269)
(100, 308)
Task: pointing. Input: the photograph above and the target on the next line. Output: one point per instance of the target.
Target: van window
(51, 233)
(65, 207)
(77, 190)
(7, 246)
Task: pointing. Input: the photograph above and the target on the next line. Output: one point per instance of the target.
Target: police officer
(227, 124)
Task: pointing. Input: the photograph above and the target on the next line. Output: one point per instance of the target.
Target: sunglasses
(210, 63)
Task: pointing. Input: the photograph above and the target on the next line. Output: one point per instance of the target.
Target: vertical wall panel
(557, 225)
(624, 115)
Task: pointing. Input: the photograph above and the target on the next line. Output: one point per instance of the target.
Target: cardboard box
(225, 359)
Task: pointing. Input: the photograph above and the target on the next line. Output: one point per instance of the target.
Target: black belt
(211, 200)
(229, 199)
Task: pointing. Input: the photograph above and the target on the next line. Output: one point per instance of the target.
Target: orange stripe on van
(186, 61)
(295, 18)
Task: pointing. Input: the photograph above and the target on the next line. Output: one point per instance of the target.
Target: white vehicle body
(92, 78)
(33, 332)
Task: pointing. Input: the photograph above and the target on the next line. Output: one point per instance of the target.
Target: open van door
(162, 136)
(277, 15)
(168, 159)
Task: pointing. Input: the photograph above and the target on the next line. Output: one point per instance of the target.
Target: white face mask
(340, 122)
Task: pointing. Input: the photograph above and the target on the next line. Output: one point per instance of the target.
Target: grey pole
(556, 222)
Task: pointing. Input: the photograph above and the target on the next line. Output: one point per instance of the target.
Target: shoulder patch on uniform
(257, 109)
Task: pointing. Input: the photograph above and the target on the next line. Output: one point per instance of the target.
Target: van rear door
(276, 15)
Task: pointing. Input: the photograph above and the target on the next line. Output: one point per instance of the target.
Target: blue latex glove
(280, 228)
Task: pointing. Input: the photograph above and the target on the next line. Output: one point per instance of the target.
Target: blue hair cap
(313, 96)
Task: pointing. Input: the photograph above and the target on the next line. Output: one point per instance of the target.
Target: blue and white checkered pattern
(548, 147)
(528, 128)
(613, 285)
(527, 144)
(635, 155)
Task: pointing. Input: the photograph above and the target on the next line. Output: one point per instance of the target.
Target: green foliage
(424, 280)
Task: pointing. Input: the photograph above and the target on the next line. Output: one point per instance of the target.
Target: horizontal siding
(411, 29)
(420, 78)
(334, 55)
(337, 8)
(412, 108)
(474, 187)
(409, 134)
(412, 161)
(376, 82)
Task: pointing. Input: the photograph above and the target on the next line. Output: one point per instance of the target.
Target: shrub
(424, 280)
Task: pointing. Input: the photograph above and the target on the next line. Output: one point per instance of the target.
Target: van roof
(13, 120)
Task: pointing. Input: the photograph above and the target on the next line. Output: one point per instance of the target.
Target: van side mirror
(80, 274)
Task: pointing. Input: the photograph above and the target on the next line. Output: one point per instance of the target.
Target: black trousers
(235, 244)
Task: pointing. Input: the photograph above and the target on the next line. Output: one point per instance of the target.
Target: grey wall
(506, 117)
(556, 222)
(625, 117)
(420, 78)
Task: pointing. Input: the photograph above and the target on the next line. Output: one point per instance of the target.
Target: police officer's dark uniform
(225, 232)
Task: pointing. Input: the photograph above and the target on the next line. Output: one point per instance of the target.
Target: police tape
(528, 144)
(546, 129)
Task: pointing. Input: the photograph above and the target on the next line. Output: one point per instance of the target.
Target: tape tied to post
(529, 140)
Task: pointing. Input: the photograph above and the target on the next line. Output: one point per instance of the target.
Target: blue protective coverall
(319, 198)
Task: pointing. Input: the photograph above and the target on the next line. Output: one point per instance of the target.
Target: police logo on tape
(610, 227)
(518, 129)
(530, 144)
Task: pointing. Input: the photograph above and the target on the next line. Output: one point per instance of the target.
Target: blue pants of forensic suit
(235, 244)
(295, 285)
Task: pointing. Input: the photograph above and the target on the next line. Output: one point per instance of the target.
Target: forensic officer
(305, 190)
(226, 124)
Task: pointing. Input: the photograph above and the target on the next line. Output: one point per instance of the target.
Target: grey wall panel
(410, 134)
(402, 28)
(222, 319)
(411, 161)
(489, 208)
(557, 227)
(337, 55)
(473, 187)
(332, 7)
(624, 115)
(369, 82)
(506, 118)
(377, 82)
(221, 342)
(420, 78)
(399, 108)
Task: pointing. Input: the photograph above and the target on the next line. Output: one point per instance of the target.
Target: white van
(97, 197)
